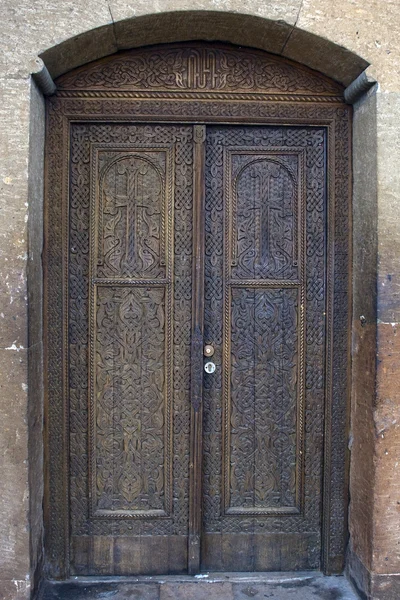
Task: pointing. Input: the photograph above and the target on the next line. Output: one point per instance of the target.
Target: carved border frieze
(199, 67)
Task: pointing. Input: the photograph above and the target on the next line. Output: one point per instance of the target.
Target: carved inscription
(200, 68)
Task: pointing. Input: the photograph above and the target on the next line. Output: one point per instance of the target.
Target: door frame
(205, 99)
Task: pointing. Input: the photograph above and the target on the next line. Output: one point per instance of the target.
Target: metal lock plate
(209, 367)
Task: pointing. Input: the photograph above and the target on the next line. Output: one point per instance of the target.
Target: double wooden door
(182, 236)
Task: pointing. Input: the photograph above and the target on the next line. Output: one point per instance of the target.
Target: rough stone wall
(365, 32)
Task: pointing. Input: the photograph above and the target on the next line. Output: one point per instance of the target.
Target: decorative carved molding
(181, 68)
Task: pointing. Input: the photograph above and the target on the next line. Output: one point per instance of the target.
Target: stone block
(388, 160)
(247, 30)
(362, 439)
(14, 530)
(29, 28)
(14, 589)
(370, 29)
(317, 53)
(281, 10)
(14, 132)
(99, 591)
(385, 587)
(386, 520)
(197, 591)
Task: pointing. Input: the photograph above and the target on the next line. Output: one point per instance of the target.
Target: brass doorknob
(208, 350)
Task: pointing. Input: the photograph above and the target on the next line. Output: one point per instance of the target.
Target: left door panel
(129, 317)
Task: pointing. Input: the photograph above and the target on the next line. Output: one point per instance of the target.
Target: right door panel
(265, 315)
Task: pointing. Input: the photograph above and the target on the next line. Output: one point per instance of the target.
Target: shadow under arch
(276, 37)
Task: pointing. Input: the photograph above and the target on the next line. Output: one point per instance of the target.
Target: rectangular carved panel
(130, 474)
(263, 367)
(132, 213)
(263, 436)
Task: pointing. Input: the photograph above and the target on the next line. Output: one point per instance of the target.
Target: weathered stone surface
(369, 29)
(386, 542)
(335, 588)
(246, 30)
(196, 591)
(279, 586)
(317, 52)
(35, 330)
(283, 10)
(14, 589)
(385, 587)
(99, 591)
(14, 534)
(29, 27)
(362, 437)
(388, 153)
(14, 128)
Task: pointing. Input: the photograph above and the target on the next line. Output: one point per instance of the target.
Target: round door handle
(209, 350)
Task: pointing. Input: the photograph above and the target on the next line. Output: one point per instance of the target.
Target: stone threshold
(310, 585)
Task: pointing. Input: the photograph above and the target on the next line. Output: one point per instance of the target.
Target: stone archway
(279, 37)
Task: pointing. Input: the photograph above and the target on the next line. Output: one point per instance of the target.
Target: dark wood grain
(197, 372)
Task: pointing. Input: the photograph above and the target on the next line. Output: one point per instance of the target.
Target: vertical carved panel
(264, 391)
(264, 418)
(263, 368)
(130, 271)
(129, 411)
(131, 368)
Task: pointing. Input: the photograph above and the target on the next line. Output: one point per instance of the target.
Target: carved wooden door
(265, 199)
(188, 470)
(130, 277)
(196, 194)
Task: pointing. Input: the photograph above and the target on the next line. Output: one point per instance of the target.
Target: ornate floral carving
(264, 396)
(130, 397)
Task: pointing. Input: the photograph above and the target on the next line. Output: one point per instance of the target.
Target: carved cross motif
(264, 179)
(134, 203)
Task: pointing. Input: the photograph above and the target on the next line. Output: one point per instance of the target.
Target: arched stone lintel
(277, 37)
